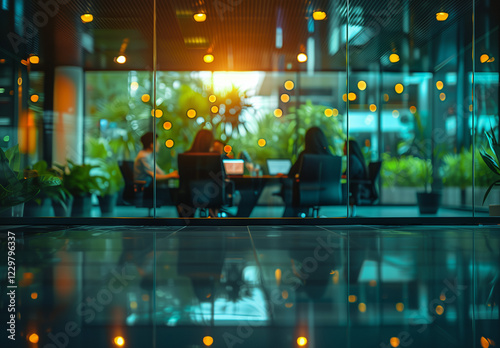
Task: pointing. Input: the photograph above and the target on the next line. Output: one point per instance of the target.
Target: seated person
(357, 170)
(316, 144)
(143, 171)
(144, 161)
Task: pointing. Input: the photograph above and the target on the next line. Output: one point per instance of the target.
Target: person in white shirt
(144, 162)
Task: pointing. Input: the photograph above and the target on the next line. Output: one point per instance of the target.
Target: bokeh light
(278, 112)
(33, 338)
(328, 112)
(373, 107)
(301, 341)
(289, 85)
(119, 341)
(208, 58)
(261, 142)
(167, 125)
(191, 113)
(285, 98)
(362, 85)
(200, 17)
(399, 88)
(394, 58)
(208, 341)
(145, 98)
(34, 98)
(319, 15)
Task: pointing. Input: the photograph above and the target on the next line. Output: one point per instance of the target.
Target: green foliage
(78, 180)
(405, 171)
(107, 171)
(492, 159)
(18, 187)
(55, 192)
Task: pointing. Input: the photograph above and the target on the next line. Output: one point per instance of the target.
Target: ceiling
(242, 34)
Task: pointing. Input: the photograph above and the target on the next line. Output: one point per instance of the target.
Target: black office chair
(365, 192)
(140, 192)
(318, 182)
(202, 184)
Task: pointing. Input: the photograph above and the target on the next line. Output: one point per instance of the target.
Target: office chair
(364, 192)
(318, 182)
(139, 192)
(202, 183)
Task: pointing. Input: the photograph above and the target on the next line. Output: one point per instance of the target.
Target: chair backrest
(373, 173)
(127, 170)
(318, 183)
(201, 180)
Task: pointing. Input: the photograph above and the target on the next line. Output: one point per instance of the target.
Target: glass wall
(414, 85)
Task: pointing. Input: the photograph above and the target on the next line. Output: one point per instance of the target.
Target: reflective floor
(281, 286)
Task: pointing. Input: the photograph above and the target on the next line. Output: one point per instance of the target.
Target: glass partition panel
(485, 119)
(410, 90)
(74, 80)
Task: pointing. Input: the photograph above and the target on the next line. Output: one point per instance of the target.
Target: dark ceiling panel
(241, 34)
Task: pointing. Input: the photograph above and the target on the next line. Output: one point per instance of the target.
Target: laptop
(234, 166)
(276, 166)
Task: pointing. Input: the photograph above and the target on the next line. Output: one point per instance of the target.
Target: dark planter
(428, 202)
(108, 203)
(33, 209)
(82, 205)
(16, 211)
(60, 210)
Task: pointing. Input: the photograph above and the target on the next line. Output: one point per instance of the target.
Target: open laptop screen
(234, 166)
(277, 166)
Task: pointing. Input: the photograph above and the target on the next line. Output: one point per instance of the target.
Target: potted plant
(109, 178)
(50, 196)
(18, 187)
(493, 162)
(81, 184)
(428, 200)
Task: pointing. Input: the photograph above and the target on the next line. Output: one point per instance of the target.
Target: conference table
(250, 189)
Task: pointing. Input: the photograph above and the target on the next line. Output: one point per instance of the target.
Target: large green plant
(404, 171)
(492, 161)
(78, 179)
(107, 171)
(16, 186)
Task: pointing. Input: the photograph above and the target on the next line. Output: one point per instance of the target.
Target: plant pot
(82, 205)
(108, 203)
(33, 209)
(15, 211)
(494, 209)
(428, 202)
(60, 210)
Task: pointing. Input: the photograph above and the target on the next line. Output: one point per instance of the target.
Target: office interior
(108, 260)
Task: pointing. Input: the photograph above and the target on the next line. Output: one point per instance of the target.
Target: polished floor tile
(267, 286)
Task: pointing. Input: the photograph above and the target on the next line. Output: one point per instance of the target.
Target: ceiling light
(319, 15)
(200, 17)
(302, 57)
(87, 18)
(441, 16)
(34, 59)
(208, 58)
(121, 59)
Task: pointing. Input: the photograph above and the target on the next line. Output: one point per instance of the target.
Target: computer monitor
(277, 166)
(234, 166)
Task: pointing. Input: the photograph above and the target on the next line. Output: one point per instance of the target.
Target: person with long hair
(202, 142)
(315, 144)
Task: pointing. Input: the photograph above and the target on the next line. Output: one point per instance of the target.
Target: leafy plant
(107, 171)
(492, 161)
(56, 193)
(406, 171)
(78, 180)
(17, 187)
